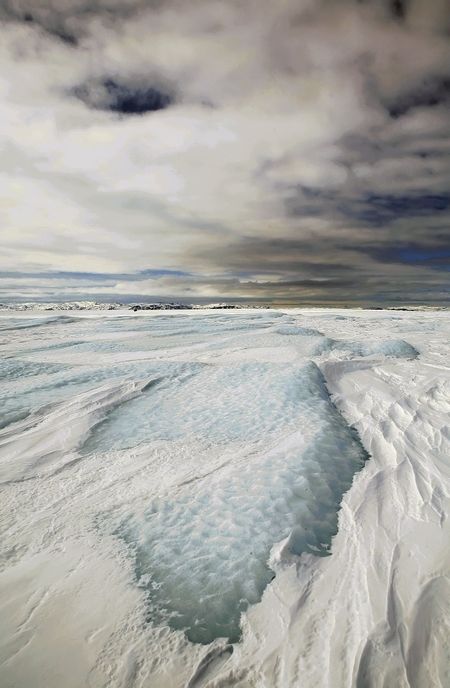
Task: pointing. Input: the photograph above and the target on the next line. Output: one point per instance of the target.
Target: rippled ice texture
(238, 404)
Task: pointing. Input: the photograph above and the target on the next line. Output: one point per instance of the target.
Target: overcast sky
(292, 151)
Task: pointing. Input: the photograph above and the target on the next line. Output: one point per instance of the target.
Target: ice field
(255, 498)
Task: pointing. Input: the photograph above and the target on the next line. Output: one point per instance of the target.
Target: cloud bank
(293, 152)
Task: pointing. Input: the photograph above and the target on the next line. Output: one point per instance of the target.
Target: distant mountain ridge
(94, 305)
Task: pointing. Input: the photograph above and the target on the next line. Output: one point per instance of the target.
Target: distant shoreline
(82, 306)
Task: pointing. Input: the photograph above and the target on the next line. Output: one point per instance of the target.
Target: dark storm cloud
(341, 260)
(436, 257)
(124, 98)
(68, 19)
(368, 209)
(430, 93)
(382, 209)
(320, 174)
(398, 8)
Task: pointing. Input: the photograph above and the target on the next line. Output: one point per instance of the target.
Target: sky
(293, 152)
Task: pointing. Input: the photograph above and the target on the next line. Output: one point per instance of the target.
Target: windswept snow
(250, 499)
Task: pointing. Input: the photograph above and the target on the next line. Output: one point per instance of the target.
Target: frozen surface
(202, 553)
(173, 486)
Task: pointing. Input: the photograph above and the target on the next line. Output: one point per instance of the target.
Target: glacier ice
(298, 330)
(395, 348)
(202, 553)
(220, 404)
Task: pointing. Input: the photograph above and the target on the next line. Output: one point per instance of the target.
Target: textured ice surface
(297, 330)
(202, 553)
(395, 348)
(239, 402)
(10, 324)
(44, 384)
